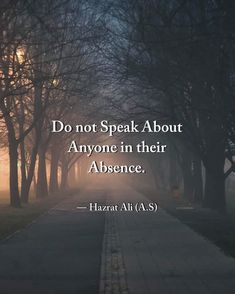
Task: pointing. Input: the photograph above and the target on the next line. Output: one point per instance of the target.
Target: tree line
(48, 70)
(174, 62)
(170, 61)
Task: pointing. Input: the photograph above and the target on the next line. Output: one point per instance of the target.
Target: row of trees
(175, 60)
(48, 70)
(167, 60)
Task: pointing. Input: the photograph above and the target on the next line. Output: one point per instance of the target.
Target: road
(58, 253)
(70, 250)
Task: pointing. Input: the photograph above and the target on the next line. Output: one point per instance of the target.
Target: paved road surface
(58, 254)
(70, 251)
(154, 253)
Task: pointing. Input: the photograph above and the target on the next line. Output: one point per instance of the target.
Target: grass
(13, 219)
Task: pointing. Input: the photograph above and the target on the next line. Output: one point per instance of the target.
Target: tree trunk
(72, 176)
(187, 175)
(13, 160)
(197, 179)
(34, 183)
(23, 172)
(173, 169)
(77, 172)
(42, 188)
(54, 183)
(64, 177)
(23, 165)
(27, 184)
(155, 172)
(215, 180)
(14, 188)
(38, 131)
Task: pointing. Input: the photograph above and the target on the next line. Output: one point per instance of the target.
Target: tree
(179, 49)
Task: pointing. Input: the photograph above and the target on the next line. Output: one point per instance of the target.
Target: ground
(217, 227)
(70, 250)
(13, 219)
